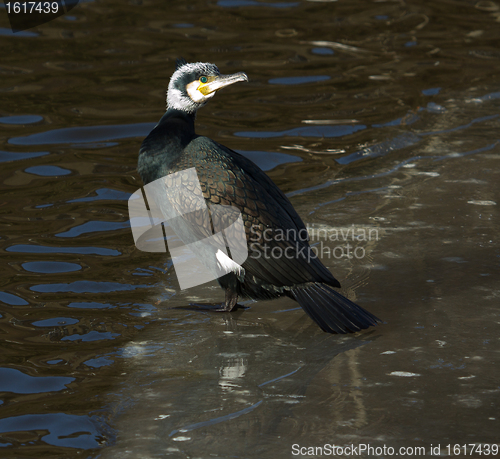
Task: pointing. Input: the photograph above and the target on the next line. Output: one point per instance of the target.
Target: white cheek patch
(226, 264)
(174, 98)
(195, 95)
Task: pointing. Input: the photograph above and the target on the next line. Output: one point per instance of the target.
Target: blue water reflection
(91, 336)
(323, 51)
(85, 286)
(93, 227)
(51, 267)
(431, 91)
(99, 362)
(12, 380)
(31, 248)
(56, 322)
(105, 193)
(6, 156)
(63, 429)
(21, 119)
(12, 299)
(47, 171)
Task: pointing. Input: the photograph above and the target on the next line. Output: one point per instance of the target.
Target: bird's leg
(231, 304)
(231, 300)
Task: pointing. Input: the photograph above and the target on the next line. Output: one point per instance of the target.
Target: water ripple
(310, 131)
(85, 135)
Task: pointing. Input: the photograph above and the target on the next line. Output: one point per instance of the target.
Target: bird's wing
(278, 248)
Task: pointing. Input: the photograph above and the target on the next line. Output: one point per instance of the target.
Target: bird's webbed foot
(231, 304)
(221, 307)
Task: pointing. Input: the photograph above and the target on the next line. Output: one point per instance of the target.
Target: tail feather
(345, 314)
(325, 321)
(333, 312)
(332, 317)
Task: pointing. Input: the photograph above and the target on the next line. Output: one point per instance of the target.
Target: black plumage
(229, 179)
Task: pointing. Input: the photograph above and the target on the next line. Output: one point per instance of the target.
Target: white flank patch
(226, 264)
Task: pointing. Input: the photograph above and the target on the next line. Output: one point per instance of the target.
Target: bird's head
(192, 85)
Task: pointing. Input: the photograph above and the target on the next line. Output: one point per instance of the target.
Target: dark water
(381, 121)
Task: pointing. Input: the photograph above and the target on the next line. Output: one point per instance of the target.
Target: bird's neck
(177, 122)
(165, 143)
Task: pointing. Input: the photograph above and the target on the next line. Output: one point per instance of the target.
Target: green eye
(203, 79)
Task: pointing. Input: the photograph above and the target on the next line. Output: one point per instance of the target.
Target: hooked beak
(221, 81)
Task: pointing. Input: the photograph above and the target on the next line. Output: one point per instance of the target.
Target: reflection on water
(379, 117)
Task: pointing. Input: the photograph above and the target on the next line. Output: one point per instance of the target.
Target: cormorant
(272, 226)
